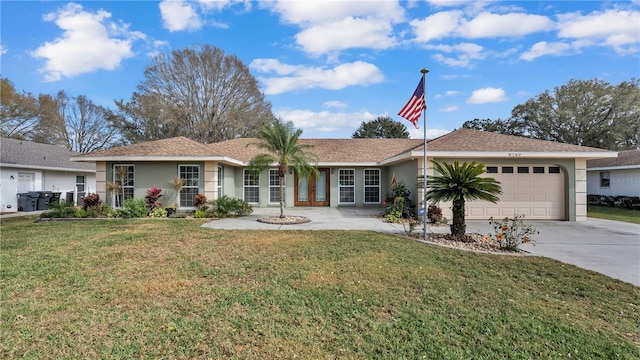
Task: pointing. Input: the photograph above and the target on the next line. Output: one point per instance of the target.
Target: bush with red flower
(509, 233)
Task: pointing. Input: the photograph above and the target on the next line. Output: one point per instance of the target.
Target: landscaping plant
(509, 233)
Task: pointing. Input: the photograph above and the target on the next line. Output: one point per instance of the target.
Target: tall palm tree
(460, 183)
(281, 141)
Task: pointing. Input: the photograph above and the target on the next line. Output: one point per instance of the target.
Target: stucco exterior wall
(44, 180)
(623, 182)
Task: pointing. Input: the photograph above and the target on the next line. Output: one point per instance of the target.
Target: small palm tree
(281, 141)
(460, 183)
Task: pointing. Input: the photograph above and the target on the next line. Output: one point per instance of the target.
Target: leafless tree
(18, 111)
(199, 93)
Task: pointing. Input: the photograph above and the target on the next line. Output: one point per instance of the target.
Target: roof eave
(50, 168)
(156, 158)
(614, 167)
(516, 154)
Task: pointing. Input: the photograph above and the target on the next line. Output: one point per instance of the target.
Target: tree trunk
(281, 196)
(459, 228)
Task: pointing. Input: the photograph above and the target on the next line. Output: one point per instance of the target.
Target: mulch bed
(286, 220)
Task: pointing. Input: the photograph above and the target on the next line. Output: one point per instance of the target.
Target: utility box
(43, 200)
(28, 201)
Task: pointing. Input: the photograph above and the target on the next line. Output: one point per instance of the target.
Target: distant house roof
(628, 159)
(20, 153)
(347, 151)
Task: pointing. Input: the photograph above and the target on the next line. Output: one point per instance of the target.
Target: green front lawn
(170, 289)
(611, 213)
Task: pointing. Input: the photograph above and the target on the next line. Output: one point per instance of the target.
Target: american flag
(412, 110)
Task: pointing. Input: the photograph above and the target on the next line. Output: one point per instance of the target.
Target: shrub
(627, 202)
(226, 206)
(152, 198)
(158, 213)
(510, 233)
(404, 206)
(59, 210)
(434, 214)
(201, 214)
(91, 201)
(81, 213)
(132, 208)
(200, 201)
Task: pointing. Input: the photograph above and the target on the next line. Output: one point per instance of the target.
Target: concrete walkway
(609, 247)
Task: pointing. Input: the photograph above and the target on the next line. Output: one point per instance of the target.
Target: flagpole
(424, 158)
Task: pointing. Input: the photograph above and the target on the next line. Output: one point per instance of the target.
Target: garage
(535, 191)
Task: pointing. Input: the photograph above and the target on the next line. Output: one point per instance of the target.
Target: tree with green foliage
(459, 183)
(281, 141)
(583, 112)
(383, 127)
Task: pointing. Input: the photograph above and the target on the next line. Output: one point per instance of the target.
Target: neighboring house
(618, 176)
(27, 166)
(540, 179)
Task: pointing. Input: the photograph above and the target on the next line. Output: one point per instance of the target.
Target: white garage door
(535, 191)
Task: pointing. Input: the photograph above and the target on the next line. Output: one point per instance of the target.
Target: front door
(312, 191)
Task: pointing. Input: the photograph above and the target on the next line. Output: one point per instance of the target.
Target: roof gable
(27, 153)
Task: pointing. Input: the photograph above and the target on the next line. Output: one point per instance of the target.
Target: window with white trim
(371, 186)
(274, 186)
(346, 186)
(220, 180)
(80, 183)
(251, 186)
(605, 179)
(190, 175)
(124, 178)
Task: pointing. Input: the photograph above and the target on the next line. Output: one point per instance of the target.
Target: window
(274, 186)
(605, 179)
(523, 169)
(346, 186)
(251, 186)
(492, 169)
(554, 170)
(124, 179)
(538, 169)
(220, 180)
(190, 175)
(80, 183)
(507, 169)
(371, 186)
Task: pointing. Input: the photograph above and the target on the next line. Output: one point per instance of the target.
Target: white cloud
(345, 34)
(487, 95)
(335, 104)
(437, 26)
(543, 48)
(618, 29)
(466, 53)
(489, 25)
(451, 108)
(88, 43)
(332, 26)
(179, 15)
(3, 50)
(419, 133)
(291, 78)
(324, 121)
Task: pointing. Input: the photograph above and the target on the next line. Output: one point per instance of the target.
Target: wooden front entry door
(312, 191)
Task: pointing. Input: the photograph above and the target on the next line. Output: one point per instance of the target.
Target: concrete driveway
(608, 247)
(611, 248)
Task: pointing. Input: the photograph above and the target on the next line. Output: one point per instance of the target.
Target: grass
(611, 213)
(125, 289)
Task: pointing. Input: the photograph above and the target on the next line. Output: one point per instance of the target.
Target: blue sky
(330, 65)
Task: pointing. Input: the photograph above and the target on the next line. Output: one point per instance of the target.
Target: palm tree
(281, 141)
(460, 183)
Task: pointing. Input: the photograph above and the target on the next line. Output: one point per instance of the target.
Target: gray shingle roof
(26, 153)
(625, 158)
